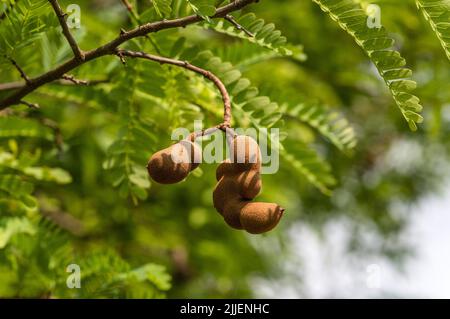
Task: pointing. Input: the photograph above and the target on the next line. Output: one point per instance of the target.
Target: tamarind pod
(249, 183)
(195, 152)
(231, 213)
(225, 190)
(173, 164)
(162, 169)
(224, 168)
(258, 218)
(246, 154)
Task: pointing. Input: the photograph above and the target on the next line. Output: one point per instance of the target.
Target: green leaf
(24, 24)
(15, 185)
(203, 8)
(57, 175)
(265, 35)
(11, 126)
(162, 7)
(306, 162)
(13, 226)
(437, 13)
(331, 125)
(153, 273)
(377, 44)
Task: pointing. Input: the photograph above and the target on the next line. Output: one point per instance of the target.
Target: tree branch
(231, 19)
(184, 64)
(62, 21)
(67, 82)
(30, 105)
(129, 7)
(11, 86)
(111, 47)
(21, 71)
(137, 20)
(72, 79)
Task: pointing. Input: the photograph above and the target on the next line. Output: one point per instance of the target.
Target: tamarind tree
(83, 109)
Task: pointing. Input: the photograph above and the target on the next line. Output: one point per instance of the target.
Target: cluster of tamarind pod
(238, 181)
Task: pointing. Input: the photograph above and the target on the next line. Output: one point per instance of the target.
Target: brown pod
(173, 164)
(239, 181)
(258, 218)
(224, 192)
(232, 213)
(249, 183)
(245, 153)
(226, 167)
(196, 154)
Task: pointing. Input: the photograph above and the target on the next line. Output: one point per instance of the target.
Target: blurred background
(378, 229)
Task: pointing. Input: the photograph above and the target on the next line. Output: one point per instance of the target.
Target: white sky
(327, 271)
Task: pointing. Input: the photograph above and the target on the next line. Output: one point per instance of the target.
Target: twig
(184, 64)
(58, 137)
(111, 47)
(194, 135)
(128, 5)
(81, 82)
(206, 132)
(30, 105)
(21, 71)
(72, 79)
(62, 21)
(18, 85)
(121, 57)
(11, 86)
(65, 221)
(137, 20)
(231, 19)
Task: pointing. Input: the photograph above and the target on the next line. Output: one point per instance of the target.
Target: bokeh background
(381, 232)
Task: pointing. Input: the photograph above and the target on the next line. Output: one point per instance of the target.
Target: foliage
(378, 46)
(73, 183)
(438, 15)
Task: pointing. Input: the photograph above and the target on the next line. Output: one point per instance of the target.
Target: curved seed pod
(173, 164)
(245, 153)
(239, 181)
(224, 192)
(196, 153)
(224, 168)
(257, 218)
(164, 170)
(249, 183)
(232, 213)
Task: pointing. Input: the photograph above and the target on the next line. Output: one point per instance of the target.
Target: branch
(11, 86)
(129, 7)
(21, 71)
(137, 20)
(72, 79)
(19, 85)
(56, 132)
(111, 47)
(62, 21)
(65, 221)
(231, 19)
(184, 64)
(30, 105)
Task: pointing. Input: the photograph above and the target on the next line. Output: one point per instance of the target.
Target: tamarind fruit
(246, 153)
(174, 163)
(239, 182)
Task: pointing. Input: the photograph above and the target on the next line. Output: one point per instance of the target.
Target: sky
(324, 270)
